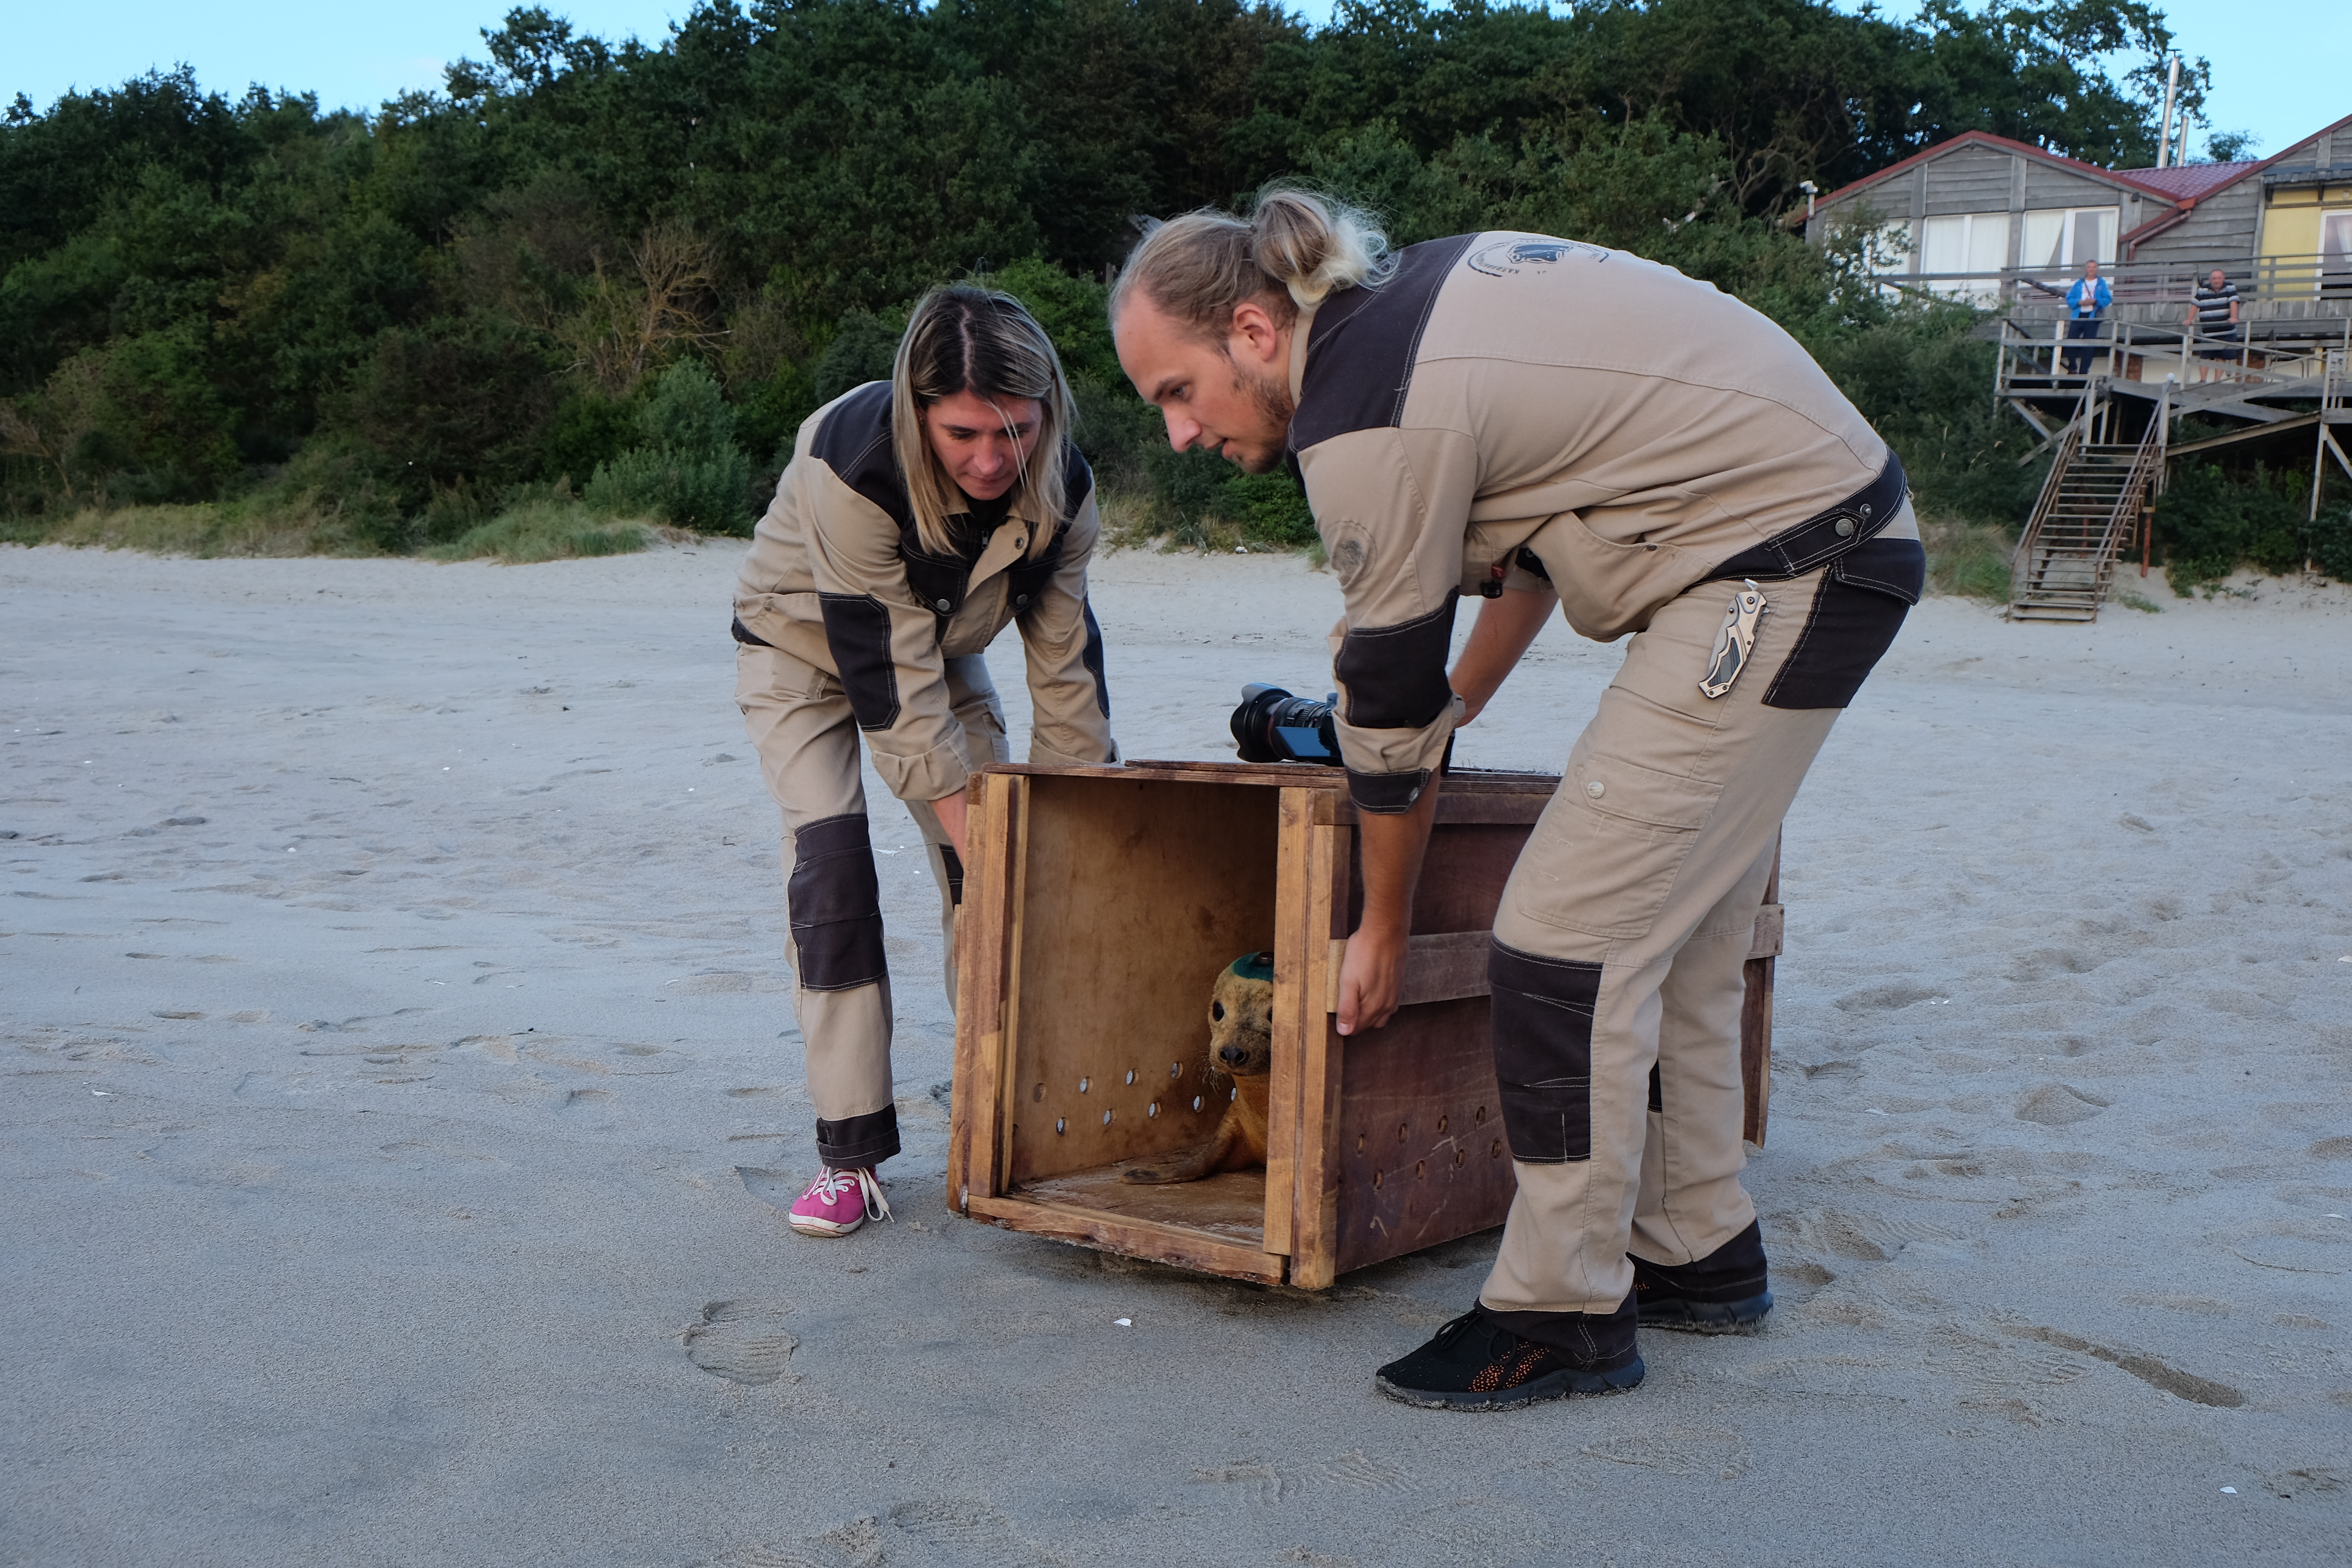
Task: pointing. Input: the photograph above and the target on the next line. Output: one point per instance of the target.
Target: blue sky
(2271, 57)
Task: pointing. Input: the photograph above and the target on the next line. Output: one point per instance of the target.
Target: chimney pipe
(2164, 142)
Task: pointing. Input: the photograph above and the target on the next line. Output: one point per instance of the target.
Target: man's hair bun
(1294, 251)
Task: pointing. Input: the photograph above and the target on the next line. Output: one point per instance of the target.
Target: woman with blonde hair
(918, 518)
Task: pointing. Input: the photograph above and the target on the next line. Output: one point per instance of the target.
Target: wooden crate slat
(1438, 967)
(1294, 1016)
(1316, 1186)
(1134, 1237)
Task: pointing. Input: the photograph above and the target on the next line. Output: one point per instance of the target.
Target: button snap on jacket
(941, 606)
(1596, 789)
(1845, 528)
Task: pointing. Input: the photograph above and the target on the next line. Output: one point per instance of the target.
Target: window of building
(1967, 251)
(2060, 240)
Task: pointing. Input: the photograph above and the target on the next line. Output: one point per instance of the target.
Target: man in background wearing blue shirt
(2086, 301)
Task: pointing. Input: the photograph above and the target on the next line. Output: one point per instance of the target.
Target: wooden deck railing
(2323, 279)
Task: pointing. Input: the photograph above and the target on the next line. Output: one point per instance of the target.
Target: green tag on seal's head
(1254, 966)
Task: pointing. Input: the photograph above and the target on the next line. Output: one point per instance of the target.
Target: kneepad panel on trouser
(1856, 612)
(835, 899)
(1542, 1020)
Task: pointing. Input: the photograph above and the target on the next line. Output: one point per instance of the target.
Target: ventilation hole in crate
(1061, 1125)
(1481, 1115)
(1495, 1150)
(1401, 1127)
(1175, 1069)
(1130, 1075)
(1040, 1095)
(1419, 1169)
(1196, 1102)
(1360, 1143)
(1457, 1158)
(1106, 1119)
(1376, 1178)
(1082, 1084)
(1152, 1108)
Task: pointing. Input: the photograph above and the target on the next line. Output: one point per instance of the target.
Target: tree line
(618, 276)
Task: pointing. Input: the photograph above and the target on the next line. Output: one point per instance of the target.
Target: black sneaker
(1722, 1293)
(1485, 1361)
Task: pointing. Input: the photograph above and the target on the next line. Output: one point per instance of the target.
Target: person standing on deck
(2213, 313)
(919, 517)
(1552, 424)
(2086, 303)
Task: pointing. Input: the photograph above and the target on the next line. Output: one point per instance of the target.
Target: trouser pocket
(1856, 612)
(1605, 855)
(1541, 1012)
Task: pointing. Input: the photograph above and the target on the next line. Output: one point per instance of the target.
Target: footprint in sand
(1261, 1481)
(948, 1533)
(2059, 1105)
(1885, 998)
(1357, 1469)
(1677, 1451)
(742, 1342)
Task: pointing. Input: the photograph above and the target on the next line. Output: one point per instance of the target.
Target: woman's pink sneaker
(838, 1202)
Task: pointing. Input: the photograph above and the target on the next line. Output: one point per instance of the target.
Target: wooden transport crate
(1099, 904)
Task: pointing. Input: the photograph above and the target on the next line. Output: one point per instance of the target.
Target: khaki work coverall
(847, 623)
(1514, 411)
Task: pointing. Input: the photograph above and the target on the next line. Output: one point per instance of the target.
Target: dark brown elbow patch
(857, 631)
(1541, 1013)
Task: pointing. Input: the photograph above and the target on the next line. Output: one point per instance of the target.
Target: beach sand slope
(402, 1095)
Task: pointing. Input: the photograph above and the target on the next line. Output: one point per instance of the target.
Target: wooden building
(2001, 223)
(2008, 228)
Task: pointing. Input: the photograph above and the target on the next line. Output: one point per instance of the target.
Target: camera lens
(1273, 726)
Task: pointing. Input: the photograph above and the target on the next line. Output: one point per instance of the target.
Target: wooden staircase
(2089, 507)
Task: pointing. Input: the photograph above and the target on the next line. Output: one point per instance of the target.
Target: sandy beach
(402, 1096)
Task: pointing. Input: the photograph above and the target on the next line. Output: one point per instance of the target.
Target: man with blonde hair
(1543, 423)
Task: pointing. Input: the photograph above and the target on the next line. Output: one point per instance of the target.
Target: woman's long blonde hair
(1295, 248)
(967, 339)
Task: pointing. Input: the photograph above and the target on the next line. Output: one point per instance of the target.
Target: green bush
(2209, 522)
(588, 429)
(2331, 542)
(863, 347)
(1270, 509)
(686, 470)
(704, 493)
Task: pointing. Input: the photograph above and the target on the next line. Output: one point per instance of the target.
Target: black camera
(1273, 726)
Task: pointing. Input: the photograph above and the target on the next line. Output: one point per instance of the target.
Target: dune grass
(545, 531)
(1970, 559)
(558, 529)
(205, 529)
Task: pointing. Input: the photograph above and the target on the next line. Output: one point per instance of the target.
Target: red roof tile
(2184, 181)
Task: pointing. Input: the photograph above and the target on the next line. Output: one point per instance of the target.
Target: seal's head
(1241, 1016)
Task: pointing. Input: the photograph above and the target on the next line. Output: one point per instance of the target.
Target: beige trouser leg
(1619, 948)
(799, 720)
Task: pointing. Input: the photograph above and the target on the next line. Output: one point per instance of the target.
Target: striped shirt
(2213, 306)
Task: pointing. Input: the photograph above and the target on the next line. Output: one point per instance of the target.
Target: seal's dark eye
(1217, 1012)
